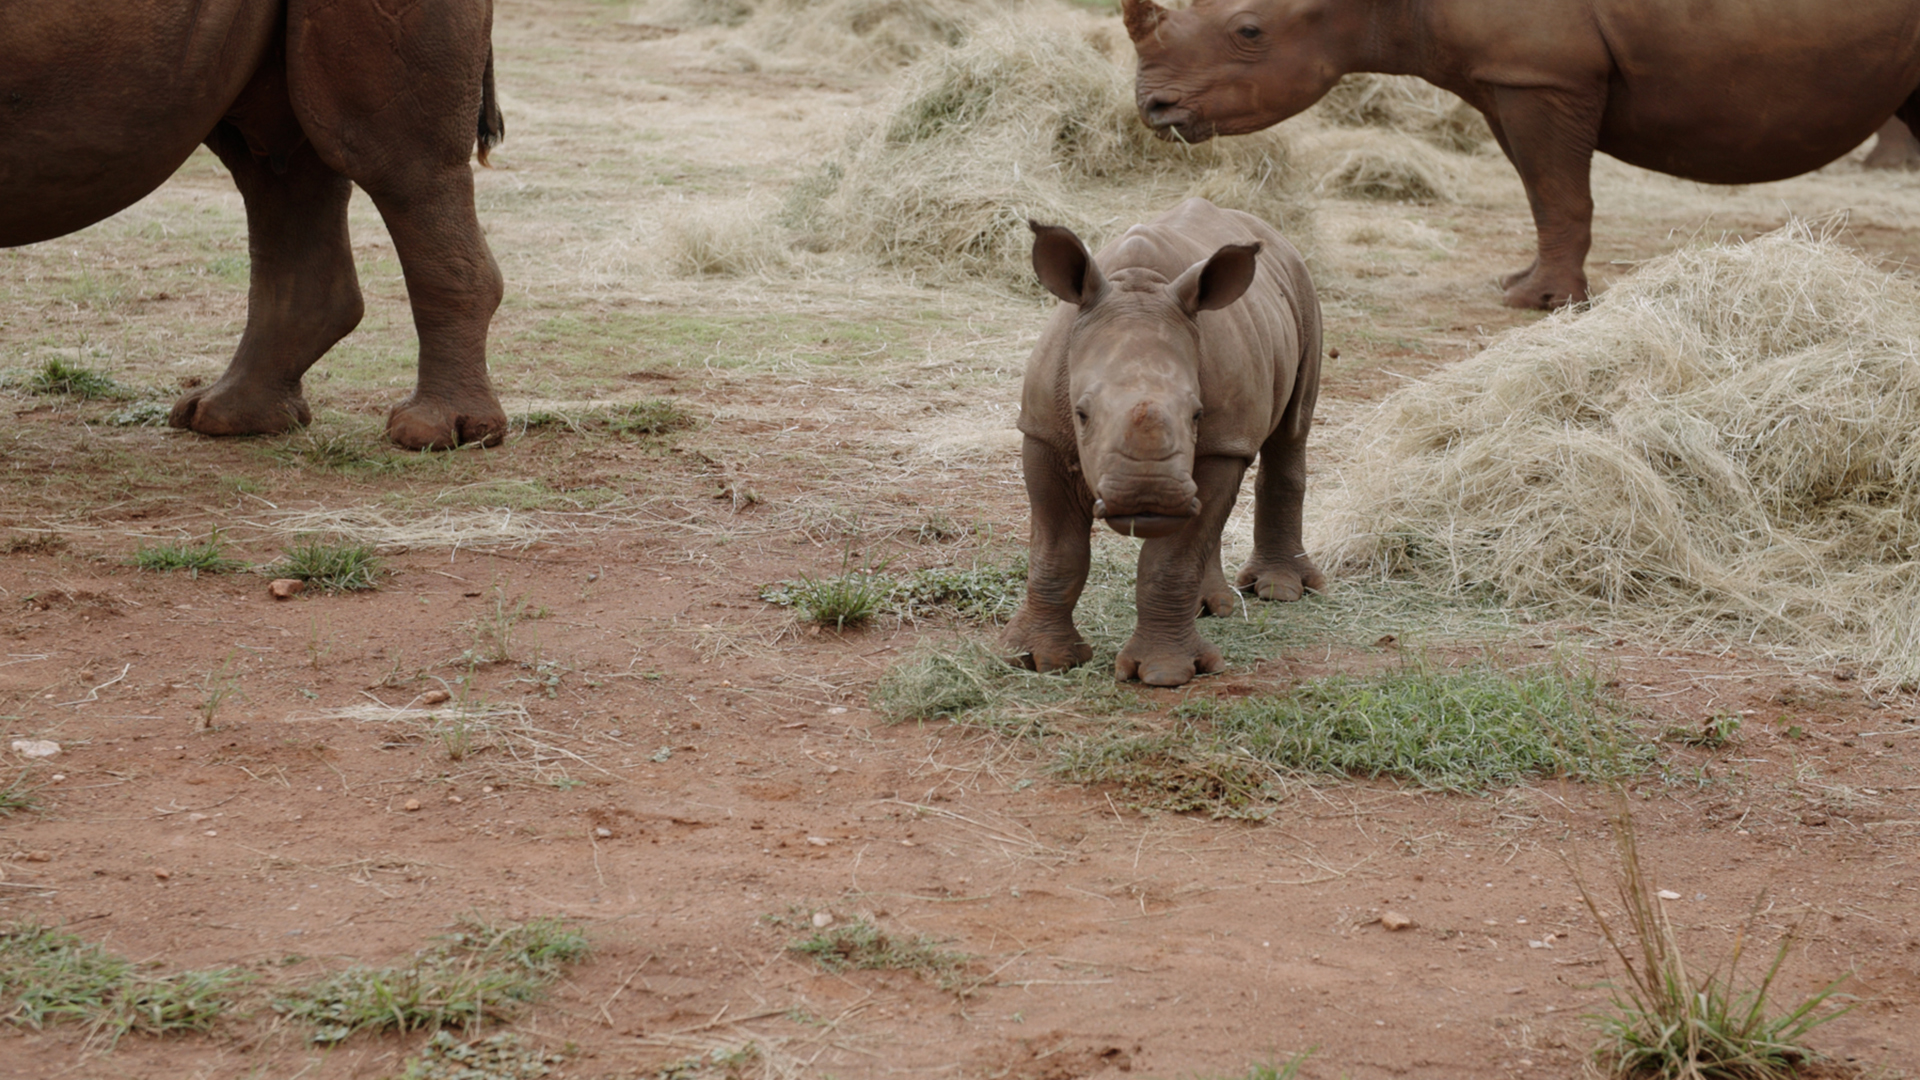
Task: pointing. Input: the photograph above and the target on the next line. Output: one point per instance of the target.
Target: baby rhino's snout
(1146, 487)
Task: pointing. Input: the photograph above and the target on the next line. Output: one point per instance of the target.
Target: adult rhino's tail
(493, 126)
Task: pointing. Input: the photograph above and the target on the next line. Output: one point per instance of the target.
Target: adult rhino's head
(1228, 67)
(1133, 375)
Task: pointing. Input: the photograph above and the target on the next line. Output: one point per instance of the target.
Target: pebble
(286, 588)
(603, 833)
(822, 920)
(818, 841)
(36, 748)
(412, 804)
(39, 856)
(1667, 894)
(1393, 920)
(453, 798)
(162, 874)
(434, 697)
(58, 777)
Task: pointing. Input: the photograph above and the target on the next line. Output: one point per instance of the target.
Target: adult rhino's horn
(1142, 17)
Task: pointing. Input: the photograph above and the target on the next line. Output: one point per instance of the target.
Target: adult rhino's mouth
(1173, 121)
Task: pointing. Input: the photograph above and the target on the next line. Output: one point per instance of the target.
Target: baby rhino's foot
(1030, 644)
(1167, 663)
(1282, 579)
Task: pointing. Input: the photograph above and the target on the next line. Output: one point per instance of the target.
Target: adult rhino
(1722, 91)
(101, 100)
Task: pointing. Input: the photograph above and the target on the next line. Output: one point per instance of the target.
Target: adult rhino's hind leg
(1550, 137)
(393, 98)
(302, 294)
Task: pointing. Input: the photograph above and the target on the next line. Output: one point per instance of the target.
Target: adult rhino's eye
(1196, 418)
(1080, 415)
(1248, 33)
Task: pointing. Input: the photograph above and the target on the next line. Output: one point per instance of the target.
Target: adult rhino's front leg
(302, 295)
(1550, 137)
(393, 101)
(1041, 635)
(1166, 648)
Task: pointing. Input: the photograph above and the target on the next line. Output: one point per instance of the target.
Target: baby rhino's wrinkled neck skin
(1186, 349)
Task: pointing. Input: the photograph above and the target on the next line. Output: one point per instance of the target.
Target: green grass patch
(141, 414)
(332, 567)
(48, 976)
(209, 557)
(861, 945)
(59, 378)
(481, 972)
(1450, 729)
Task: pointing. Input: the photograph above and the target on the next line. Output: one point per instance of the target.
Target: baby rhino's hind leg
(1279, 568)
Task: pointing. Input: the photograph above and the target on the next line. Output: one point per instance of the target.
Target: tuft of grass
(141, 414)
(861, 945)
(359, 449)
(851, 598)
(333, 567)
(1716, 732)
(50, 976)
(58, 377)
(480, 972)
(1270, 1070)
(16, 796)
(1181, 771)
(195, 559)
(37, 544)
(1451, 729)
(1670, 1021)
(496, 1057)
(638, 419)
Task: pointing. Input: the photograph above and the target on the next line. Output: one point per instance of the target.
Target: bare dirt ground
(684, 771)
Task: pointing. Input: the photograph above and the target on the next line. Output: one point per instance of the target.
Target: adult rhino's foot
(222, 409)
(1544, 288)
(1167, 663)
(1028, 643)
(1281, 579)
(438, 424)
(1216, 596)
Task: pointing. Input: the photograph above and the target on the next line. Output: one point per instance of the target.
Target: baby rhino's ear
(1064, 266)
(1214, 283)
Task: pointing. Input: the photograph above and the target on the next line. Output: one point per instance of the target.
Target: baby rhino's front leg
(1041, 635)
(1166, 648)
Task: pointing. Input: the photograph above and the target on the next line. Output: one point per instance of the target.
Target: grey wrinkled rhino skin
(1183, 349)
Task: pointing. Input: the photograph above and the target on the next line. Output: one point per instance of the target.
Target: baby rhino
(1187, 346)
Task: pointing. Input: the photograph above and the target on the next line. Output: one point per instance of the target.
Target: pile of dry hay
(1405, 103)
(1031, 117)
(1722, 447)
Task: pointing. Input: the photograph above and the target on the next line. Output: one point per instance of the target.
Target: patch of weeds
(58, 377)
(1672, 1021)
(16, 797)
(1716, 732)
(1452, 729)
(982, 593)
(1178, 771)
(141, 414)
(50, 976)
(217, 686)
(332, 567)
(646, 418)
(35, 544)
(1283, 1070)
(480, 972)
(725, 1062)
(209, 557)
(861, 945)
(494, 631)
(496, 1057)
(972, 684)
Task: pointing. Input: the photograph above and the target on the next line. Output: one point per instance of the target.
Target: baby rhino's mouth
(1145, 526)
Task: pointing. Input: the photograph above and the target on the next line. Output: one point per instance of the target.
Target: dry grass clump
(859, 35)
(1032, 117)
(724, 240)
(1369, 164)
(1721, 446)
(1405, 103)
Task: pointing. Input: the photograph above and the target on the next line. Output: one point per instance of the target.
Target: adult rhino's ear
(1064, 266)
(1218, 281)
(1142, 18)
